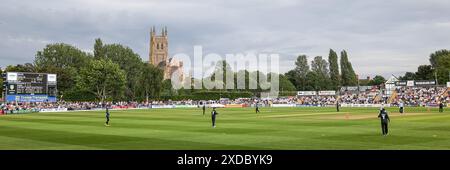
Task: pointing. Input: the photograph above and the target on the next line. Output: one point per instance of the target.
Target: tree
(425, 72)
(291, 75)
(99, 49)
(103, 78)
(61, 55)
(440, 61)
(256, 76)
(301, 70)
(221, 69)
(167, 89)
(128, 61)
(352, 75)
(434, 57)
(151, 81)
(285, 84)
(377, 80)
(443, 69)
(63, 60)
(320, 67)
(347, 72)
(312, 81)
(408, 76)
(335, 78)
(301, 65)
(27, 67)
(239, 84)
(344, 71)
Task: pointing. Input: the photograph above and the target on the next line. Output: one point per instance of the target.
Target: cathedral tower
(159, 55)
(158, 48)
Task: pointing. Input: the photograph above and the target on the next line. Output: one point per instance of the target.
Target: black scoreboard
(31, 87)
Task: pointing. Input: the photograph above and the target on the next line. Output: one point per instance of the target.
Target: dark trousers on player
(107, 120)
(213, 118)
(441, 109)
(384, 128)
(401, 109)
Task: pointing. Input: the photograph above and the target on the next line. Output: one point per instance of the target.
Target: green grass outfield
(237, 129)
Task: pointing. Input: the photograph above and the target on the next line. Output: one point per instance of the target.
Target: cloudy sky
(382, 37)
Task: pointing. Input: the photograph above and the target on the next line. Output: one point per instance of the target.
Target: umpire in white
(401, 106)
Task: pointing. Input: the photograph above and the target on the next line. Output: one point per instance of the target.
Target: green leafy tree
(128, 61)
(440, 61)
(99, 49)
(425, 72)
(151, 81)
(335, 78)
(435, 57)
(236, 87)
(377, 80)
(443, 69)
(27, 67)
(103, 78)
(344, 71)
(301, 70)
(312, 81)
(347, 72)
(61, 55)
(167, 89)
(250, 78)
(408, 76)
(320, 67)
(63, 60)
(246, 74)
(301, 65)
(285, 84)
(291, 75)
(222, 68)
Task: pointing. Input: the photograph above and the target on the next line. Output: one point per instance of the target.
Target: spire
(152, 31)
(165, 30)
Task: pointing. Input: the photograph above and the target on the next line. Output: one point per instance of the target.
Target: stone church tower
(159, 55)
(158, 48)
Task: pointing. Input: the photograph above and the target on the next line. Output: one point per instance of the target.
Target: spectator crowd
(421, 96)
(410, 96)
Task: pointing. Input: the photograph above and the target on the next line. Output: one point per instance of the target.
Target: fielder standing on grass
(337, 105)
(214, 113)
(204, 108)
(257, 108)
(384, 117)
(441, 107)
(107, 116)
